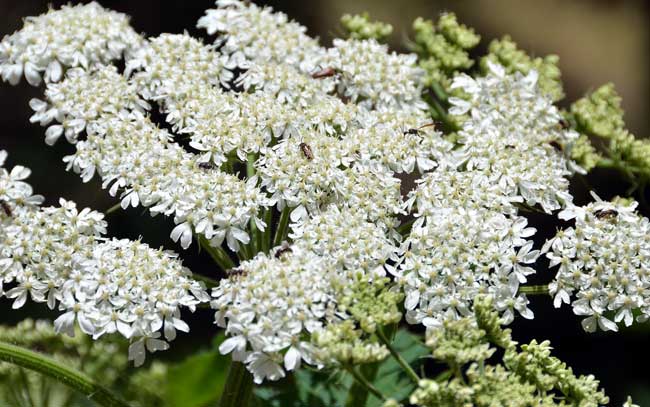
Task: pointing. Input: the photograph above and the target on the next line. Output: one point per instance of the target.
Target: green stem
(207, 280)
(405, 228)
(238, 388)
(254, 243)
(358, 393)
(400, 360)
(266, 239)
(534, 289)
(113, 208)
(280, 233)
(217, 253)
(365, 383)
(64, 374)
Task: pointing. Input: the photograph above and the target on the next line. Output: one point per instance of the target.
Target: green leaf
(198, 381)
(307, 387)
(390, 378)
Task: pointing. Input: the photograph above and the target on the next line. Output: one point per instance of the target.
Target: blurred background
(598, 41)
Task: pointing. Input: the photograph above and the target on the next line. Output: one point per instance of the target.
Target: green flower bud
(360, 27)
(505, 53)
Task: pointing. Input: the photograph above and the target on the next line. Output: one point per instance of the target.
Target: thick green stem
(280, 233)
(400, 360)
(360, 379)
(217, 253)
(239, 387)
(64, 374)
(534, 289)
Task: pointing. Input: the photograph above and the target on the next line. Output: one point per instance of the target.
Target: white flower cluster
(131, 153)
(603, 264)
(348, 240)
(374, 78)
(271, 302)
(266, 306)
(248, 33)
(73, 36)
(514, 137)
(397, 141)
(57, 255)
(168, 68)
(460, 253)
(468, 238)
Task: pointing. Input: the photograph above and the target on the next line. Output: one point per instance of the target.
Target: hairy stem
(400, 360)
(49, 367)
(238, 388)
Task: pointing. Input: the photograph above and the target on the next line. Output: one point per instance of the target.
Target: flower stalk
(51, 368)
(398, 358)
(360, 379)
(239, 387)
(534, 289)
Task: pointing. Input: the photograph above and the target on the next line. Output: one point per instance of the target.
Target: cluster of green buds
(504, 52)
(372, 304)
(443, 48)
(528, 375)
(343, 344)
(599, 116)
(360, 27)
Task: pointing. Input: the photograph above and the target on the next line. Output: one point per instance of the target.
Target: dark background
(598, 41)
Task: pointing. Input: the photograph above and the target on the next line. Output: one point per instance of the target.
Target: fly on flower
(6, 208)
(285, 248)
(306, 150)
(416, 131)
(324, 73)
(606, 214)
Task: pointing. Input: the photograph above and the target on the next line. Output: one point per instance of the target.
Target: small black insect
(606, 214)
(285, 248)
(206, 166)
(556, 145)
(564, 124)
(417, 130)
(324, 73)
(6, 208)
(235, 272)
(306, 150)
